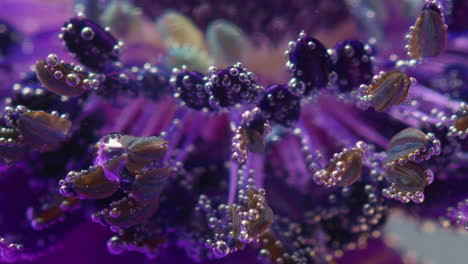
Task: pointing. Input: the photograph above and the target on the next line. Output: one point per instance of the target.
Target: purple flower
(228, 131)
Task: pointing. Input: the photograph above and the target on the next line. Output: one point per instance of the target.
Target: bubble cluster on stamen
(411, 145)
(459, 122)
(406, 176)
(387, 89)
(125, 163)
(30, 130)
(407, 182)
(234, 225)
(249, 136)
(64, 78)
(459, 215)
(427, 37)
(344, 168)
(354, 216)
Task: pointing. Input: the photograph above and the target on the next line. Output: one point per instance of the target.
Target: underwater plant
(229, 131)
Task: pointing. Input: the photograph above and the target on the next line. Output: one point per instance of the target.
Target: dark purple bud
(353, 64)
(93, 46)
(41, 128)
(309, 63)
(428, 35)
(63, 78)
(153, 82)
(279, 105)
(233, 85)
(148, 185)
(189, 86)
(362, 205)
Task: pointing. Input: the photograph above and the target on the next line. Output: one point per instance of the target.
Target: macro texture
(266, 131)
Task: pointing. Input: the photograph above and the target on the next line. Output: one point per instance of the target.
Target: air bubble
(87, 33)
(72, 80)
(115, 245)
(114, 213)
(58, 75)
(52, 60)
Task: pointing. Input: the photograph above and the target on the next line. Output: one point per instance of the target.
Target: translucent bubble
(58, 75)
(52, 60)
(78, 69)
(115, 213)
(368, 209)
(311, 44)
(115, 245)
(86, 84)
(72, 80)
(349, 50)
(87, 33)
(253, 214)
(221, 249)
